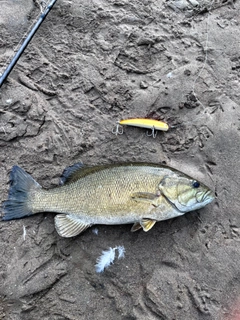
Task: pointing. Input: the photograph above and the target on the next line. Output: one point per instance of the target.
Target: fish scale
(104, 192)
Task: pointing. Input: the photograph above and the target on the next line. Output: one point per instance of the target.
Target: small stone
(187, 72)
(143, 85)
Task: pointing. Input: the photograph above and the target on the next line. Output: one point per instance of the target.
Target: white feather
(107, 258)
(121, 252)
(95, 231)
(24, 233)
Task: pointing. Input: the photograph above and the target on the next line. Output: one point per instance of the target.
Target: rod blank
(26, 42)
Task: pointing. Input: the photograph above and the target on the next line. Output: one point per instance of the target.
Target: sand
(90, 64)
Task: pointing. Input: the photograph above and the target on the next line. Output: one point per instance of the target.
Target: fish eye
(196, 184)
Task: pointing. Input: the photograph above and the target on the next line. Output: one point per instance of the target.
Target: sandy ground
(91, 64)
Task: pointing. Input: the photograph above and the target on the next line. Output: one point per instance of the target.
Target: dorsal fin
(79, 170)
(68, 173)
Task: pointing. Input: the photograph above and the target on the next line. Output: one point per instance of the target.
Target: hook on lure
(152, 134)
(117, 130)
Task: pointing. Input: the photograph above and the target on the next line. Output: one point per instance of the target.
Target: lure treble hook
(117, 130)
(153, 133)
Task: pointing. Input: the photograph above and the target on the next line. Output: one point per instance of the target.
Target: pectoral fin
(146, 224)
(69, 226)
(144, 196)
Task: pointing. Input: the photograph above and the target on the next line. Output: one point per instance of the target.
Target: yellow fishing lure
(145, 123)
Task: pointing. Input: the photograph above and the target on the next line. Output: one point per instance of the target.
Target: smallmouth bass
(138, 193)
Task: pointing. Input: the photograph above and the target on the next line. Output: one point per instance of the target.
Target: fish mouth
(208, 196)
(202, 199)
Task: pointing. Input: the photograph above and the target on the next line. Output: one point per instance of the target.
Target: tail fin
(17, 205)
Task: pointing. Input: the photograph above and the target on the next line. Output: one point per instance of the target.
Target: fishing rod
(26, 42)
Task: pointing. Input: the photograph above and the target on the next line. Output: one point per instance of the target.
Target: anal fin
(69, 226)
